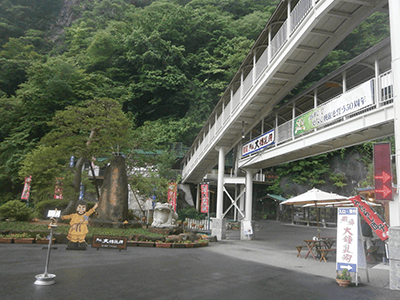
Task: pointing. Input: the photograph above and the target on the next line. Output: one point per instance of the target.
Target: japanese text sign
(371, 217)
(263, 141)
(205, 198)
(347, 239)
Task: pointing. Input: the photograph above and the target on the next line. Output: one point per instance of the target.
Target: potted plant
(344, 279)
(6, 238)
(189, 244)
(41, 239)
(166, 244)
(202, 242)
(22, 238)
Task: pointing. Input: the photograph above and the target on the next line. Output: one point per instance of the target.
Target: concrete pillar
(289, 20)
(220, 183)
(394, 257)
(394, 232)
(218, 224)
(247, 221)
(394, 13)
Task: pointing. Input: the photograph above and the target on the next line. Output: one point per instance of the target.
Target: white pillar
(249, 194)
(220, 184)
(289, 21)
(344, 84)
(394, 206)
(218, 226)
(248, 206)
(394, 13)
(377, 84)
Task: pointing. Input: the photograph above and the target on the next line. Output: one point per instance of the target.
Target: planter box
(178, 245)
(132, 243)
(6, 240)
(204, 244)
(44, 241)
(189, 245)
(163, 245)
(23, 240)
(146, 244)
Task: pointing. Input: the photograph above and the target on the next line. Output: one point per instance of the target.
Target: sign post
(46, 278)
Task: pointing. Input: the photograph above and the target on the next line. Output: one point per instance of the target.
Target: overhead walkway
(352, 105)
(296, 38)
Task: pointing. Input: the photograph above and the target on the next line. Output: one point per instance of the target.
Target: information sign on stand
(350, 253)
(47, 278)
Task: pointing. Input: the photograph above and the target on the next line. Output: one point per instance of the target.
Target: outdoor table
(321, 243)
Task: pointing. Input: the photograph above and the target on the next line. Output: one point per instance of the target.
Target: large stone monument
(113, 202)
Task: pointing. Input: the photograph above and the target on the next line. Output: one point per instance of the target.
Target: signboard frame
(109, 242)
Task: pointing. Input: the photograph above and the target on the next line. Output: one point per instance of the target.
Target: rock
(113, 202)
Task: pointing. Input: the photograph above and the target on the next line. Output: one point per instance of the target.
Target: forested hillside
(166, 62)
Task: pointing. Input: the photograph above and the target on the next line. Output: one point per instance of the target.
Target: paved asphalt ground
(265, 268)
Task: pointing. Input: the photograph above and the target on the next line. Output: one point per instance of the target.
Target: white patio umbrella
(314, 196)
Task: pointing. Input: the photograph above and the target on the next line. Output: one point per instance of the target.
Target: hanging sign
(372, 218)
(172, 189)
(27, 188)
(205, 198)
(265, 140)
(383, 172)
(347, 239)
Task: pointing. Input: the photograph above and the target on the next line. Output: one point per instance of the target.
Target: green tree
(92, 129)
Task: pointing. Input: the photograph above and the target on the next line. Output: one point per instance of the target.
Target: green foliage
(345, 275)
(309, 171)
(191, 213)
(42, 207)
(15, 209)
(338, 179)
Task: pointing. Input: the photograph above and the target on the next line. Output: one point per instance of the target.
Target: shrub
(191, 213)
(15, 209)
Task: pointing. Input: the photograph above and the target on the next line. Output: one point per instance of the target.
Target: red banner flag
(372, 218)
(27, 188)
(172, 189)
(205, 198)
(383, 172)
(58, 189)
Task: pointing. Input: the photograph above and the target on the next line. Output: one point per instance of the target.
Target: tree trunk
(71, 207)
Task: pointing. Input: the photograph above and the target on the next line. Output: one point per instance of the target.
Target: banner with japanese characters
(349, 102)
(263, 141)
(347, 239)
(372, 218)
(172, 190)
(27, 188)
(58, 190)
(205, 198)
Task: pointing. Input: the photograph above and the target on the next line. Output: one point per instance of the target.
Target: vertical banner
(383, 172)
(205, 198)
(372, 218)
(58, 189)
(347, 239)
(172, 188)
(27, 188)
